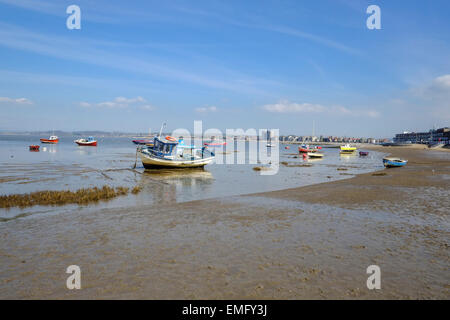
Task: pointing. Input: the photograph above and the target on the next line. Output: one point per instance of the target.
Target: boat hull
(363, 153)
(303, 150)
(88, 144)
(392, 164)
(142, 142)
(315, 155)
(49, 141)
(152, 163)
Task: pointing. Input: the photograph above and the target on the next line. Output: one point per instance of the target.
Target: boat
(34, 148)
(142, 141)
(169, 153)
(270, 145)
(363, 153)
(305, 149)
(90, 141)
(315, 155)
(287, 147)
(348, 148)
(52, 140)
(214, 143)
(390, 162)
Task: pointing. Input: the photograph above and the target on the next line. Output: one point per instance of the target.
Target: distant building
(433, 136)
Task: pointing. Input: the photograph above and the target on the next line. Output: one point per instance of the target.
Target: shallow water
(68, 166)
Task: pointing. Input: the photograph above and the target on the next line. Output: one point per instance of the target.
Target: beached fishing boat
(52, 140)
(315, 155)
(90, 141)
(348, 148)
(363, 153)
(173, 154)
(390, 162)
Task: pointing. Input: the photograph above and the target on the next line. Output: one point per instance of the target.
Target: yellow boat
(347, 148)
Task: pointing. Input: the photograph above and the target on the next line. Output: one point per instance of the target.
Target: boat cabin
(162, 148)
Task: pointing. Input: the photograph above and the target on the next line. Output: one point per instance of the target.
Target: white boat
(173, 154)
(315, 155)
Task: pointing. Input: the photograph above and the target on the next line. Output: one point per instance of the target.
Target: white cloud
(206, 109)
(120, 102)
(15, 101)
(442, 83)
(285, 106)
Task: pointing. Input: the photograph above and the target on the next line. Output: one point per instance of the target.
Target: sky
(232, 64)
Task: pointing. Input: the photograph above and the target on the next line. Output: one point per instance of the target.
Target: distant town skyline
(231, 64)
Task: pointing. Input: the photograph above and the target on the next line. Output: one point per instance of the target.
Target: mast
(160, 131)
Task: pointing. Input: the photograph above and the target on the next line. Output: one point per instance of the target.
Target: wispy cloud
(267, 26)
(87, 51)
(120, 102)
(21, 101)
(206, 109)
(285, 106)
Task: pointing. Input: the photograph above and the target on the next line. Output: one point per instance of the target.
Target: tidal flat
(308, 242)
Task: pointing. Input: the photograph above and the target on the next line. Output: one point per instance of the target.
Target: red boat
(34, 148)
(52, 140)
(212, 144)
(306, 149)
(87, 142)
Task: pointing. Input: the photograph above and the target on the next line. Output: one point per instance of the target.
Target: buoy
(304, 156)
(169, 138)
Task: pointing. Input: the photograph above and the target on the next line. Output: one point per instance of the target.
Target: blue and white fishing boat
(169, 153)
(390, 162)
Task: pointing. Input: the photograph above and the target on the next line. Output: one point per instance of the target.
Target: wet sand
(311, 242)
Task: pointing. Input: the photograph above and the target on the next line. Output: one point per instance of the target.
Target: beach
(310, 242)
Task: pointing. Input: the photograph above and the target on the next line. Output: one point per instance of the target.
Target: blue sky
(233, 64)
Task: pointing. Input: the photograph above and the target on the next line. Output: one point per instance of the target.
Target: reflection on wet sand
(50, 149)
(81, 150)
(166, 184)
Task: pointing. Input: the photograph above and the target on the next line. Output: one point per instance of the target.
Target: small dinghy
(390, 162)
(363, 153)
(315, 155)
(142, 141)
(214, 143)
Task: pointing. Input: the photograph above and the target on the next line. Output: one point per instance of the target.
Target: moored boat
(214, 143)
(348, 148)
(90, 141)
(173, 154)
(142, 141)
(34, 148)
(305, 149)
(315, 155)
(363, 153)
(390, 162)
(52, 140)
